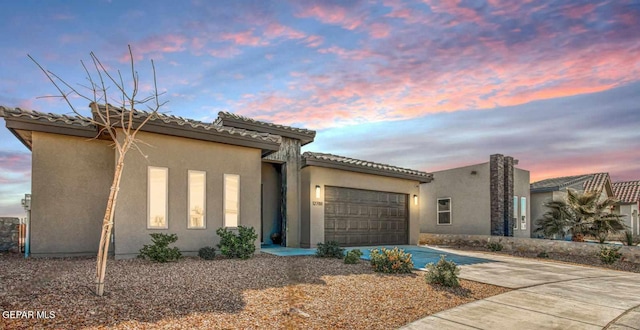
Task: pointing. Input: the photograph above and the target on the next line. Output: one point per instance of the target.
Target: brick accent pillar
(496, 169)
(508, 196)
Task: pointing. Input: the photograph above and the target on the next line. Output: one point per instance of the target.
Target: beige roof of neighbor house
(363, 166)
(22, 122)
(585, 182)
(627, 192)
(238, 121)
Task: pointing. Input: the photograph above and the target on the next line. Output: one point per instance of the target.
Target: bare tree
(117, 122)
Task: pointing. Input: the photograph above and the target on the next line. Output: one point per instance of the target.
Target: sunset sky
(427, 85)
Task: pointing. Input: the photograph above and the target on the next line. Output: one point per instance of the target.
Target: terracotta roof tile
(222, 115)
(627, 192)
(586, 182)
(367, 164)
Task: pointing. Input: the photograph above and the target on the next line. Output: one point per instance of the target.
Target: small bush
(609, 254)
(444, 273)
(494, 246)
(240, 245)
(391, 261)
(353, 256)
(543, 254)
(330, 249)
(160, 251)
(207, 253)
(628, 238)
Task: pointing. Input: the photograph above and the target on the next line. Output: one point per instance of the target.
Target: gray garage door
(365, 217)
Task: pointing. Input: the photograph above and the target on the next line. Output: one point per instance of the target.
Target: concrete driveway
(547, 295)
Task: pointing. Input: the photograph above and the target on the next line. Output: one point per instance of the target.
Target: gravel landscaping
(263, 292)
(593, 261)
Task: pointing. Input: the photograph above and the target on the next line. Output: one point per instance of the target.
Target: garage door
(365, 217)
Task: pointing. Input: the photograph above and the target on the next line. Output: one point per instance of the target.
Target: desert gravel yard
(263, 292)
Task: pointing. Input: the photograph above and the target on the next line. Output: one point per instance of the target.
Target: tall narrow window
(157, 191)
(231, 199)
(444, 211)
(197, 199)
(523, 213)
(515, 212)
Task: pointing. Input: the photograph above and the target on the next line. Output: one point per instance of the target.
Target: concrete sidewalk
(547, 295)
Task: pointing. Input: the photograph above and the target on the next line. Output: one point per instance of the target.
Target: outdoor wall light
(317, 191)
(415, 199)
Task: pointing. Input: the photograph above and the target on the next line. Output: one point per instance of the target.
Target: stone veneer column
(496, 169)
(508, 196)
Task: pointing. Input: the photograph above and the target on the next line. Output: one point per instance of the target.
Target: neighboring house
(484, 199)
(556, 189)
(195, 177)
(629, 195)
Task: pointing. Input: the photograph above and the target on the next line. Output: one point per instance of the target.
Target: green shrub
(628, 238)
(391, 261)
(609, 254)
(207, 253)
(443, 272)
(330, 249)
(494, 246)
(160, 251)
(543, 254)
(353, 256)
(240, 245)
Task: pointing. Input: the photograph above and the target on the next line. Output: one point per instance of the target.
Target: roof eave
(363, 169)
(544, 189)
(18, 123)
(238, 123)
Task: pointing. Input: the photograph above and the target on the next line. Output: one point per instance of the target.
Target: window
(515, 212)
(523, 213)
(231, 199)
(157, 191)
(197, 199)
(444, 211)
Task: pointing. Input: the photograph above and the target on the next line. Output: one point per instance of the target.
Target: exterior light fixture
(415, 199)
(317, 191)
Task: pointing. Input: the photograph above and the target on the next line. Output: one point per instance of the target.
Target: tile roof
(585, 182)
(45, 117)
(199, 125)
(627, 192)
(355, 164)
(235, 120)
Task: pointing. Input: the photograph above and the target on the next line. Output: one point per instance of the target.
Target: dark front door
(354, 217)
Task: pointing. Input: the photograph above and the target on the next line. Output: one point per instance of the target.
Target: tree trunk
(107, 225)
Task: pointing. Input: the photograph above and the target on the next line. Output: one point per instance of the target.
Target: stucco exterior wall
(180, 155)
(470, 201)
(521, 189)
(313, 215)
(630, 211)
(70, 179)
(538, 209)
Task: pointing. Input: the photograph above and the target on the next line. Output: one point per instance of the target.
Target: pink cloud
(330, 14)
(155, 46)
(243, 38)
(314, 41)
(275, 30)
(379, 30)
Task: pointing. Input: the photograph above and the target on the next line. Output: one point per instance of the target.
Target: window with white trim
(523, 213)
(197, 199)
(157, 196)
(231, 200)
(515, 212)
(444, 211)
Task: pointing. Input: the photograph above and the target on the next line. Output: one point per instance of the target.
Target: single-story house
(490, 198)
(556, 189)
(629, 195)
(192, 177)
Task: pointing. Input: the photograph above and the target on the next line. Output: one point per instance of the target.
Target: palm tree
(581, 214)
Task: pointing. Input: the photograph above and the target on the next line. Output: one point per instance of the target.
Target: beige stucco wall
(630, 211)
(313, 215)
(521, 189)
(538, 209)
(70, 179)
(470, 201)
(180, 155)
